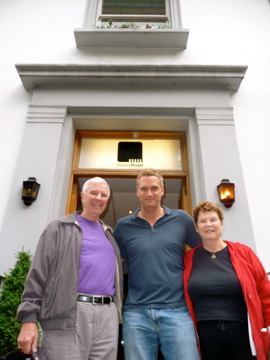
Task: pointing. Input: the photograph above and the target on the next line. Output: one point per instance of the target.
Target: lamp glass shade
(226, 192)
(30, 190)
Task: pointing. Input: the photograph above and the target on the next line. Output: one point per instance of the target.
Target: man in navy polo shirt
(152, 241)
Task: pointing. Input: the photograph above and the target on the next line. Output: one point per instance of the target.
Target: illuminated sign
(133, 154)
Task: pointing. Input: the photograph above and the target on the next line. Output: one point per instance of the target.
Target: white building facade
(199, 68)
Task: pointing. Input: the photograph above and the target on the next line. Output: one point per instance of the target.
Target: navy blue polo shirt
(155, 257)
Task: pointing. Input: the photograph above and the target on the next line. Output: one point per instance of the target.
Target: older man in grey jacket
(74, 286)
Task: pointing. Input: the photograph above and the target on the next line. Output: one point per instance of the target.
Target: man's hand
(28, 338)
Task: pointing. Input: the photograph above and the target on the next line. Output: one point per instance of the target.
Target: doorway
(122, 180)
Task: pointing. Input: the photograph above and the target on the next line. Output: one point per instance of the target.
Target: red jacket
(256, 290)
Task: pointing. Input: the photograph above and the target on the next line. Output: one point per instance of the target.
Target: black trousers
(224, 340)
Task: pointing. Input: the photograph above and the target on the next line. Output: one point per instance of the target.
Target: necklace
(213, 253)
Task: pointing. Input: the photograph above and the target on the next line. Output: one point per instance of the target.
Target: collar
(71, 218)
(166, 212)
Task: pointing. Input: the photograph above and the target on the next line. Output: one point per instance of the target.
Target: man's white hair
(95, 179)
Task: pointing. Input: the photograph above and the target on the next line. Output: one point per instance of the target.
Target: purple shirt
(97, 260)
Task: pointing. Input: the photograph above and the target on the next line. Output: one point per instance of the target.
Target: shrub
(10, 298)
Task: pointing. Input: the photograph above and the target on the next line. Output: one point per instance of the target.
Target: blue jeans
(144, 330)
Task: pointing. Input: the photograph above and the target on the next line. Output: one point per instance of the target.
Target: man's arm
(34, 288)
(119, 240)
(39, 273)
(192, 237)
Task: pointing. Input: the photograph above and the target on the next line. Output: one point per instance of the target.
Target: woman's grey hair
(95, 179)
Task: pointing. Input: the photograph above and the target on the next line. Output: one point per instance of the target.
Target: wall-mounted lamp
(30, 190)
(226, 192)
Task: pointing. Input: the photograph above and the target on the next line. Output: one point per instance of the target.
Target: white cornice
(35, 76)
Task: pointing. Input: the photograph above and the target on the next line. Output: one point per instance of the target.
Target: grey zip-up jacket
(50, 290)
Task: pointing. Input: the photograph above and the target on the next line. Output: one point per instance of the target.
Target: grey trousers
(96, 337)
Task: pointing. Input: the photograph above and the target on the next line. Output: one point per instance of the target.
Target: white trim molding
(45, 114)
(214, 116)
(138, 38)
(35, 76)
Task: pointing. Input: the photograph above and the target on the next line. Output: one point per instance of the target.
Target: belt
(96, 299)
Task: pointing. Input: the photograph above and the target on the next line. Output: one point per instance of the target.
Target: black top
(214, 287)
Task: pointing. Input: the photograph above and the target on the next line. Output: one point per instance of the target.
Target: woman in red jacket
(227, 292)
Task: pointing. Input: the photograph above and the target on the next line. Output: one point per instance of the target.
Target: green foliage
(129, 26)
(10, 298)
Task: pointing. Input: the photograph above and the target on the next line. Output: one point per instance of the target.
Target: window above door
(130, 151)
(130, 154)
(134, 14)
(132, 23)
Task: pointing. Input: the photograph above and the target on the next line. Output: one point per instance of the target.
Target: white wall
(30, 32)
(221, 32)
(237, 32)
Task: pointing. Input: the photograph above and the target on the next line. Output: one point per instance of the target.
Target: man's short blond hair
(150, 172)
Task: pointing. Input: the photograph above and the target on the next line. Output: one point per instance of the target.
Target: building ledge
(141, 38)
(50, 76)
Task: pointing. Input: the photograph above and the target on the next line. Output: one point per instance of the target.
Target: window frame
(90, 35)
